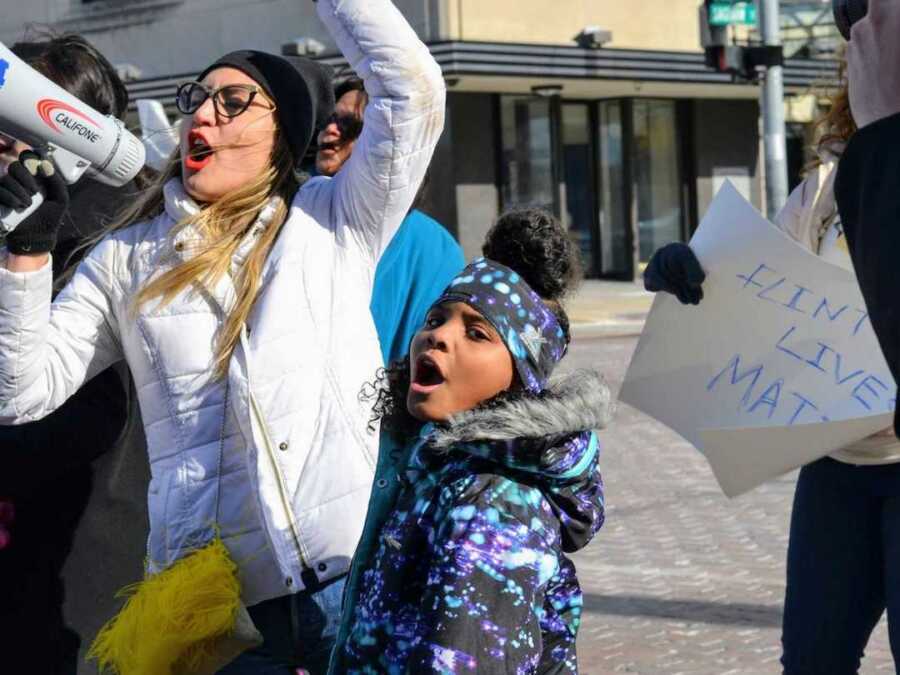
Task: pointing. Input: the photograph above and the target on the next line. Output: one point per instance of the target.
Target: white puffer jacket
(298, 463)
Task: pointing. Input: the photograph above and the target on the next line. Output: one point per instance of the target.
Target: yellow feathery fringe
(172, 619)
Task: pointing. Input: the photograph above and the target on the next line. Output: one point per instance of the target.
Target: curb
(607, 329)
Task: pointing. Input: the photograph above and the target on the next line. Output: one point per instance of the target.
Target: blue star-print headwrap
(524, 321)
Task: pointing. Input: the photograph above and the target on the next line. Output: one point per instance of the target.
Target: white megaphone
(73, 135)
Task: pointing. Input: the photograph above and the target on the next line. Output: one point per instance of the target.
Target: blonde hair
(223, 224)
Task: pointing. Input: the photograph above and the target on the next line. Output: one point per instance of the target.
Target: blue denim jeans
(843, 566)
(298, 631)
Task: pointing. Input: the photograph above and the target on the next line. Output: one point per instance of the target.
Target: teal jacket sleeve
(416, 267)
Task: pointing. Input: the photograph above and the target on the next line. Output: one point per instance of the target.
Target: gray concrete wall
(167, 37)
(726, 138)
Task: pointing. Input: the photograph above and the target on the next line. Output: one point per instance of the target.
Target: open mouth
(427, 375)
(199, 152)
(329, 148)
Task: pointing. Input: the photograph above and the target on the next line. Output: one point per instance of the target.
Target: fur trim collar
(572, 403)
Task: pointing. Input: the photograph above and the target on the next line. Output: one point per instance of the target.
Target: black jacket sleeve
(83, 428)
(867, 189)
(88, 424)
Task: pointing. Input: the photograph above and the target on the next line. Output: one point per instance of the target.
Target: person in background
(45, 467)
(843, 561)
(421, 259)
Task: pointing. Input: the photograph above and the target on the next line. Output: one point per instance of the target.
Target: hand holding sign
(675, 269)
(781, 340)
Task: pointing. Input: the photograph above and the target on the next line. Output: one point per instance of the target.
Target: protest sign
(743, 458)
(781, 339)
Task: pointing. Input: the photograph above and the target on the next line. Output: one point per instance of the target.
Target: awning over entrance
(583, 73)
(575, 63)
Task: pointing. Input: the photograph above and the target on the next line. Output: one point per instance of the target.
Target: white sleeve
(47, 351)
(798, 218)
(374, 190)
(790, 218)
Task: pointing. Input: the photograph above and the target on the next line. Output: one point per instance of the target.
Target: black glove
(675, 269)
(24, 178)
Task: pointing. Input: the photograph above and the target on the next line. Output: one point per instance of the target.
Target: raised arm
(48, 351)
(403, 121)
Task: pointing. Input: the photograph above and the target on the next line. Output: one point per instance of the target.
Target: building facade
(626, 141)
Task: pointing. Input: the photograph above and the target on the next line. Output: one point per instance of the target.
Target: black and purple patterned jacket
(470, 575)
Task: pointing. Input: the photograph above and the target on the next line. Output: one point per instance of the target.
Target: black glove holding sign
(24, 179)
(675, 269)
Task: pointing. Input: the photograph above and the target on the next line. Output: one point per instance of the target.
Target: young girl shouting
(239, 300)
(469, 574)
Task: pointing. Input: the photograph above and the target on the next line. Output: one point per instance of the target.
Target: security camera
(593, 37)
(303, 47)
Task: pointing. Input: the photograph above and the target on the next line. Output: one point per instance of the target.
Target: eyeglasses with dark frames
(229, 101)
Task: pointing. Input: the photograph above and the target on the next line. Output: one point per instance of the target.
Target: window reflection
(527, 167)
(615, 258)
(656, 177)
(578, 202)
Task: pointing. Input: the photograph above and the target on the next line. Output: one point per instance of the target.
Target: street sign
(730, 13)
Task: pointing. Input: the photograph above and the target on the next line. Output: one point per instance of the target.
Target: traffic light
(727, 59)
(740, 61)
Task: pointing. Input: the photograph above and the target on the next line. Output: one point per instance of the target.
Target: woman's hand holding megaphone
(24, 179)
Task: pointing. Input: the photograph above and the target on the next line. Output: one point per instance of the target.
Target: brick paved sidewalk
(681, 579)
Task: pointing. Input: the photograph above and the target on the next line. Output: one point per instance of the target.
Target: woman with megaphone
(239, 301)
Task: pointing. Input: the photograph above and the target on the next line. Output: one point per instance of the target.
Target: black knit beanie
(301, 89)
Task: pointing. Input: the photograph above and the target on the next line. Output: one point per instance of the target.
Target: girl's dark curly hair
(388, 393)
(533, 243)
(529, 241)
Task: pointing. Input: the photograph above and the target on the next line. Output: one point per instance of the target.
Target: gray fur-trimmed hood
(545, 438)
(572, 403)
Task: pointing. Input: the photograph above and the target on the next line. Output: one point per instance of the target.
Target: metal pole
(773, 114)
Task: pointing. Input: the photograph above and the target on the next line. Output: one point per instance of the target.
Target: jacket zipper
(270, 451)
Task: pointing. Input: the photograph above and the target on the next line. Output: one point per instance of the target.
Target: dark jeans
(45, 469)
(32, 627)
(843, 566)
(299, 632)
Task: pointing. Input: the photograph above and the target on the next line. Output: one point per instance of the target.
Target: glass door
(615, 258)
(657, 179)
(610, 169)
(578, 182)
(526, 175)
